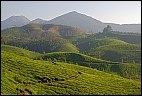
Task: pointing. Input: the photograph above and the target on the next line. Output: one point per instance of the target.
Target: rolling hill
(89, 42)
(25, 76)
(129, 37)
(70, 57)
(42, 38)
(127, 70)
(118, 53)
(20, 51)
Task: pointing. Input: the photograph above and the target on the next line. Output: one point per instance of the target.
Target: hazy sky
(121, 12)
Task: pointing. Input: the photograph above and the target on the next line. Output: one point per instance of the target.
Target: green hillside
(22, 75)
(89, 42)
(19, 51)
(130, 37)
(70, 57)
(128, 70)
(118, 53)
(42, 38)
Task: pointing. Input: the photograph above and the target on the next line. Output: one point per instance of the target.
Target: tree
(107, 29)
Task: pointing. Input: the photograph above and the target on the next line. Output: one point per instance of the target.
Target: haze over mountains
(14, 21)
(38, 21)
(73, 19)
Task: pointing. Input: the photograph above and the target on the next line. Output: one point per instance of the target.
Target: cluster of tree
(107, 29)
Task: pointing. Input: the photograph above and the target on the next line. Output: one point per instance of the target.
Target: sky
(120, 12)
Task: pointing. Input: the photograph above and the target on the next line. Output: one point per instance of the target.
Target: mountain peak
(80, 20)
(38, 21)
(74, 12)
(16, 17)
(14, 21)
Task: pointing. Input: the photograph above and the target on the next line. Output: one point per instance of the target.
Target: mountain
(81, 21)
(90, 24)
(42, 38)
(14, 21)
(126, 27)
(38, 21)
(73, 19)
(24, 76)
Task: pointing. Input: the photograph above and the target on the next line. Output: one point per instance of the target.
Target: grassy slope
(88, 43)
(23, 74)
(70, 57)
(117, 52)
(129, 70)
(19, 51)
(132, 38)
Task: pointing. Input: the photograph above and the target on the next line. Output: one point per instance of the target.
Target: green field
(22, 75)
(20, 51)
(128, 70)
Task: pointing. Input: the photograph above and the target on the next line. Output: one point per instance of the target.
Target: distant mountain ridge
(90, 24)
(81, 21)
(73, 19)
(14, 21)
(38, 21)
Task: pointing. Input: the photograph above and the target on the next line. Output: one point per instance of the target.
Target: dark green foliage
(107, 29)
(85, 44)
(45, 46)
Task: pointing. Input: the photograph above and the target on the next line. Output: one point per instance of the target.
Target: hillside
(19, 51)
(129, 37)
(70, 57)
(89, 42)
(118, 53)
(22, 75)
(127, 70)
(42, 38)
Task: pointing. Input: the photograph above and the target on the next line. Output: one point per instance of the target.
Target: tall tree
(107, 29)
